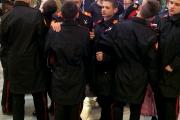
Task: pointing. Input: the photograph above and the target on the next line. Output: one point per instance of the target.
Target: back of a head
(49, 7)
(150, 8)
(69, 10)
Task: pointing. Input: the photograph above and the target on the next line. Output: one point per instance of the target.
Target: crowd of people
(127, 52)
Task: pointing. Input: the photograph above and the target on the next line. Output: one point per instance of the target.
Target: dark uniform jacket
(22, 44)
(103, 70)
(133, 44)
(70, 46)
(85, 20)
(170, 55)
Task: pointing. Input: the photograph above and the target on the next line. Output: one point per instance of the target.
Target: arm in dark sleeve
(151, 61)
(176, 62)
(4, 28)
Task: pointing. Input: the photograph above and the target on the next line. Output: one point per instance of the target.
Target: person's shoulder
(33, 10)
(86, 14)
(82, 28)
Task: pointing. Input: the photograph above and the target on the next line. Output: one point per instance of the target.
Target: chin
(171, 13)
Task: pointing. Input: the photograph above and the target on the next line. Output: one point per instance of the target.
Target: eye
(171, 2)
(177, 4)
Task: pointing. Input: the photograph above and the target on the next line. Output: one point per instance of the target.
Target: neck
(26, 1)
(107, 18)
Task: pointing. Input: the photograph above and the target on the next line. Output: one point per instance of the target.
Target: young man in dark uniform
(23, 43)
(6, 95)
(104, 68)
(132, 42)
(70, 48)
(170, 61)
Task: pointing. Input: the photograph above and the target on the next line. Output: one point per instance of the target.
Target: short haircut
(150, 8)
(69, 10)
(49, 7)
(114, 3)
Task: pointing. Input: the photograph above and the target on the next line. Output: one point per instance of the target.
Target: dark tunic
(70, 46)
(170, 55)
(22, 44)
(133, 44)
(103, 70)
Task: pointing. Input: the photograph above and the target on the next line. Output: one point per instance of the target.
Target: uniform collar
(21, 3)
(175, 19)
(139, 20)
(69, 22)
(109, 22)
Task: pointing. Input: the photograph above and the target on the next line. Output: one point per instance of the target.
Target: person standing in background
(71, 53)
(6, 101)
(169, 53)
(23, 39)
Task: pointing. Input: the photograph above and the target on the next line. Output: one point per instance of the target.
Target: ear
(115, 10)
(77, 15)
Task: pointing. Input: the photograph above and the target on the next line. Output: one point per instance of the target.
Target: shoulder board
(165, 16)
(87, 14)
(97, 22)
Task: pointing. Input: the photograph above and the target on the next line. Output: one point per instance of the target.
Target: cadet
(70, 48)
(133, 42)
(6, 95)
(103, 66)
(23, 43)
(170, 58)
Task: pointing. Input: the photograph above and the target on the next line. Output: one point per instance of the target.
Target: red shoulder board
(87, 14)
(97, 22)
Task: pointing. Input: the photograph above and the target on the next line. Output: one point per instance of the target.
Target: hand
(56, 26)
(99, 56)
(92, 35)
(168, 68)
(156, 46)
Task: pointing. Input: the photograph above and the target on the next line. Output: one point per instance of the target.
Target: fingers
(92, 35)
(99, 56)
(168, 68)
(56, 26)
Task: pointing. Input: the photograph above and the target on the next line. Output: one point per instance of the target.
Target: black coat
(22, 46)
(170, 55)
(71, 48)
(103, 71)
(136, 60)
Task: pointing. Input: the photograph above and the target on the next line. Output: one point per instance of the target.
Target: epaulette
(87, 14)
(97, 22)
(115, 21)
